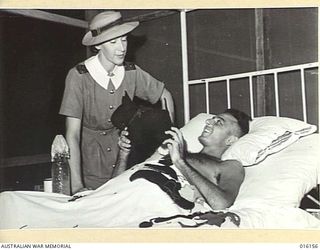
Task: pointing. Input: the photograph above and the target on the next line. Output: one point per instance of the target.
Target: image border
(157, 235)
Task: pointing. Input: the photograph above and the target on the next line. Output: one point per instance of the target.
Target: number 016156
(309, 246)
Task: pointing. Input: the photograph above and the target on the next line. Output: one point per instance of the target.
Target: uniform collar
(100, 75)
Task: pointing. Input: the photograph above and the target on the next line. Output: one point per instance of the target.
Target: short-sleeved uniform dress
(87, 98)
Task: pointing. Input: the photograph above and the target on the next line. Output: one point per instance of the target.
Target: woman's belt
(99, 131)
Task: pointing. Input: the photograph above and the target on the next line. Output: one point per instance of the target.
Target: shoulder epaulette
(81, 68)
(129, 66)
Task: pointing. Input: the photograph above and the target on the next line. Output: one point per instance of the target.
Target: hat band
(98, 31)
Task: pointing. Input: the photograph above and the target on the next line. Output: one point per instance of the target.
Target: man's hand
(124, 143)
(176, 145)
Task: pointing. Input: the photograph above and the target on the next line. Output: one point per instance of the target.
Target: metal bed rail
(275, 72)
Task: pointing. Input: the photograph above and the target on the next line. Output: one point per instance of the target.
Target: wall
(36, 57)
(218, 44)
(155, 46)
(291, 37)
(223, 41)
(1, 105)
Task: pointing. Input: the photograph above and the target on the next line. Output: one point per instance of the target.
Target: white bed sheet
(124, 204)
(117, 204)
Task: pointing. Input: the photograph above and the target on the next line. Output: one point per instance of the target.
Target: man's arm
(218, 181)
(227, 174)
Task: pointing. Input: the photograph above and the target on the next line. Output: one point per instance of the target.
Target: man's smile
(208, 130)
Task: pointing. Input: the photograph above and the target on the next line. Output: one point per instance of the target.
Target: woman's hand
(167, 103)
(124, 143)
(176, 144)
(122, 159)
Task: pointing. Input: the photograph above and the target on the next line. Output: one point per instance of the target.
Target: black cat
(146, 125)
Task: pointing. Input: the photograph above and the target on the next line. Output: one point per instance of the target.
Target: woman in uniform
(93, 91)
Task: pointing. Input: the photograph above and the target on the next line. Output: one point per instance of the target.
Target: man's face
(218, 129)
(114, 50)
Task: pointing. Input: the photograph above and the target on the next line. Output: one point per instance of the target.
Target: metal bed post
(185, 75)
(251, 97)
(276, 93)
(228, 94)
(303, 93)
(207, 98)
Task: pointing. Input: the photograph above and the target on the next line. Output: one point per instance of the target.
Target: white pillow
(282, 179)
(192, 130)
(267, 135)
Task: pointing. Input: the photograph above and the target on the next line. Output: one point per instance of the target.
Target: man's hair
(242, 118)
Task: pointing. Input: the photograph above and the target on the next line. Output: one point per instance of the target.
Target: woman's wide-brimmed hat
(106, 26)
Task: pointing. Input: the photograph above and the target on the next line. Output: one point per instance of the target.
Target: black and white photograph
(159, 118)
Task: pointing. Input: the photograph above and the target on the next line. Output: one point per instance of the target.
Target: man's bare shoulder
(232, 168)
(232, 163)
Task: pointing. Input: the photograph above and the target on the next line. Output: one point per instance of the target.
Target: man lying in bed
(218, 181)
(127, 202)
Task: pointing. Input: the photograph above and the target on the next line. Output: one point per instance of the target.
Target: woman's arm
(73, 128)
(122, 158)
(121, 164)
(167, 103)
